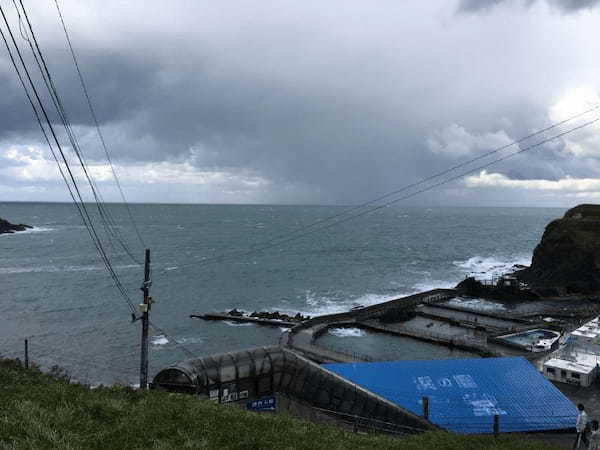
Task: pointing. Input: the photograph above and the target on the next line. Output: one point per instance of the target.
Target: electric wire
(107, 221)
(74, 191)
(97, 124)
(311, 230)
(179, 345)
(105, 216)
(276, 241)
(434, 176)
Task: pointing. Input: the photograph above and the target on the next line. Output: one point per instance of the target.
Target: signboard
(263, 404)
(227, 395)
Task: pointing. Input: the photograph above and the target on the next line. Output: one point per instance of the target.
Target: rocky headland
(7, 227)
(472, 287)
(567, 260)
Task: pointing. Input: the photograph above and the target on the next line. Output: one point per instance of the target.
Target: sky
(312, 102)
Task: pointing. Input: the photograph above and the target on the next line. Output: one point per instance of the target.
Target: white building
(577, 368)
(587, 337)
(577, 363)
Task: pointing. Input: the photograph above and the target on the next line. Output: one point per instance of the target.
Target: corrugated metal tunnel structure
(250, 374)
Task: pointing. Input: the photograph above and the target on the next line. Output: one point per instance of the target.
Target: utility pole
(145, 310)
(26, 353)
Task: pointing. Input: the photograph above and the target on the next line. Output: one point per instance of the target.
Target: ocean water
(55, 292)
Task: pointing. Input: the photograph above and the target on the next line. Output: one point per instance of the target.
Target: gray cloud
(327, 104)
(566, 6)
(478, 5)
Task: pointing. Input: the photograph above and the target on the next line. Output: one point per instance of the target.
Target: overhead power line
(432, 177)
(71, 182)
(337, 219)
(97, 124)
(105, 216)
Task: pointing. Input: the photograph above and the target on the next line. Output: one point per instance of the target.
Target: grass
(38, 411)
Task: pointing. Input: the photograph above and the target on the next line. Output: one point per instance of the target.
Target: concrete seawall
(301, 338)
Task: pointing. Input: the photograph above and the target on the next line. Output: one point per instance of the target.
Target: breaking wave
(159, 340)
(486, 268)
(477, 304)
(52, 269)
(238, 324)
(30, 231)
(318, 305)
(189, 340)
(435, 284)
(347, 332)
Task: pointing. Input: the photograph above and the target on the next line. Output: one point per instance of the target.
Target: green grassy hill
(38, 411)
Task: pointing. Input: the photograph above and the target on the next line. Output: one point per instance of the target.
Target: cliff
(567, 260)
(7, 227)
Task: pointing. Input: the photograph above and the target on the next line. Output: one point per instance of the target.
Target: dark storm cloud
(328, 104)
(566, 6)
(477, 5)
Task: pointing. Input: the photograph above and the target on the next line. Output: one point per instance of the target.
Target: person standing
(594, 439)
(580, 425)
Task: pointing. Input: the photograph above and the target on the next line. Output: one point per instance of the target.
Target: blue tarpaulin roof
(465, 394)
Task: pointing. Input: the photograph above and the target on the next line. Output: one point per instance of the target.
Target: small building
(578, 362)
(508, 281)
(580, 369)
(587, 337)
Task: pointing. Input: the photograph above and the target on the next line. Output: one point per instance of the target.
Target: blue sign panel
(263, 404)
(465, 394)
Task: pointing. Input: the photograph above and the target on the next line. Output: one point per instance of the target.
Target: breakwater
(302, 337)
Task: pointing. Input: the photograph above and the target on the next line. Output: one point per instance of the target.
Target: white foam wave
(432, 284)
(30, 231)
(52, 269)
(238, 324)
(190, 340)
(347, 332)
(38, 230)
(159, 340)
(485, 268)
(316, 305)
(477, 304)
(167, 269)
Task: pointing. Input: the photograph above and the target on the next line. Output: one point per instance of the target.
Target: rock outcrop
(275, 315)
(567, 260)
(472, 287)
(7, 227)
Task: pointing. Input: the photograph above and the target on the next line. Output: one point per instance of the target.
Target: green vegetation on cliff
(38, 411)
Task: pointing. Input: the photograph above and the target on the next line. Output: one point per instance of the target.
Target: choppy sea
(55, 292)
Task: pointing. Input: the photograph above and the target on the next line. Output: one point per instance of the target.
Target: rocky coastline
(567, 259)
(275, 315)
(566, 262)
(7, 228)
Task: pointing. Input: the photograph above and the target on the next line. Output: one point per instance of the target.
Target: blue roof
(465, 394)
